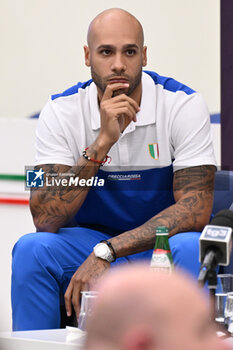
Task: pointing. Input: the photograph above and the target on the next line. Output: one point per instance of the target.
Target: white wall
(17, 144)
(41, 46)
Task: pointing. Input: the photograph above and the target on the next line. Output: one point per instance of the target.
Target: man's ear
(144, 56)
(87, 55)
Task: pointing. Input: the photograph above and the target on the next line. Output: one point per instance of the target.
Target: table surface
(51, 339)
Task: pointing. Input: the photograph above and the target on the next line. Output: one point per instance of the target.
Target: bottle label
(161, 251)
(161, 261)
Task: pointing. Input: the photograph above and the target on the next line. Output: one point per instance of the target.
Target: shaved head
(143, 297)
(106, 19)
(140, 309)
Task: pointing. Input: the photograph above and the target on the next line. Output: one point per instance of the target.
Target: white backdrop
(42, 46)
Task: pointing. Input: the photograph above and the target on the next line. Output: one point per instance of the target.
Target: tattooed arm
(193, 193)
(53, 207)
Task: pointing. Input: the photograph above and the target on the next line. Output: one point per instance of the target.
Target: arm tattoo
(193, 192)
(54, 204)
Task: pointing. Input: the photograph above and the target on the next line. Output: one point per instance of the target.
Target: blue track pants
(44, 262)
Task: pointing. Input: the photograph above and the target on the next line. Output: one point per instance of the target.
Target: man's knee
(27, 243)
(28, 250)
(187, 241)
(185, 251)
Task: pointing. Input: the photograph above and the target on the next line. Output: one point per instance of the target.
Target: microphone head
(218, 235)
(223, 218)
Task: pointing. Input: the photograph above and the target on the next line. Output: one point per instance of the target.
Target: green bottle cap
(161, 230)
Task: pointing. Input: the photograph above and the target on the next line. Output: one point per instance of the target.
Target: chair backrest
(223, 190)
(223, 199)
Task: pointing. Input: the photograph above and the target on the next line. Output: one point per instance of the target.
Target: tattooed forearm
(54, 205)
(193, 192)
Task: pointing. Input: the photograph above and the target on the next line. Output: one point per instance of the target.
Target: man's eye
(130, 52)
(105, 52)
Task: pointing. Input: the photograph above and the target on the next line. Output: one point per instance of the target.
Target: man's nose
(118, 64)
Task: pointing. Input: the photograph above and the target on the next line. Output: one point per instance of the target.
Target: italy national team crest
(154, 150)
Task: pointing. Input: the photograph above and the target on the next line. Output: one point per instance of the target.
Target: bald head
(137, 307)
(112, 19)
(136, 293)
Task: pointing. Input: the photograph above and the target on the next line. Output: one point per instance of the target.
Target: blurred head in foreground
(138, 309)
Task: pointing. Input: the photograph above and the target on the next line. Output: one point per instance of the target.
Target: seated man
(151, 135)
(138, 309)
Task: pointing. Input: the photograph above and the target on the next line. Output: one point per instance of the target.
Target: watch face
(101, 250)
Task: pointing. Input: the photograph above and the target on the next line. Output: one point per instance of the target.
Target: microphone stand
(208, 273)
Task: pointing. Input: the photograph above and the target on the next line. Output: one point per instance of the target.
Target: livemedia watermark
(38, 178)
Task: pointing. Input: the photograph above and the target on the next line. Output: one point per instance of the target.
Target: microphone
(215, 243)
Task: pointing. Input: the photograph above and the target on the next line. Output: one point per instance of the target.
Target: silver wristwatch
(102, 250)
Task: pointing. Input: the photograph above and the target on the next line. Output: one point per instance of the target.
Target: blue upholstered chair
(223, 199)
(223, 190)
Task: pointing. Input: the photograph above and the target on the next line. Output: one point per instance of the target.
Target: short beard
(101, 83)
